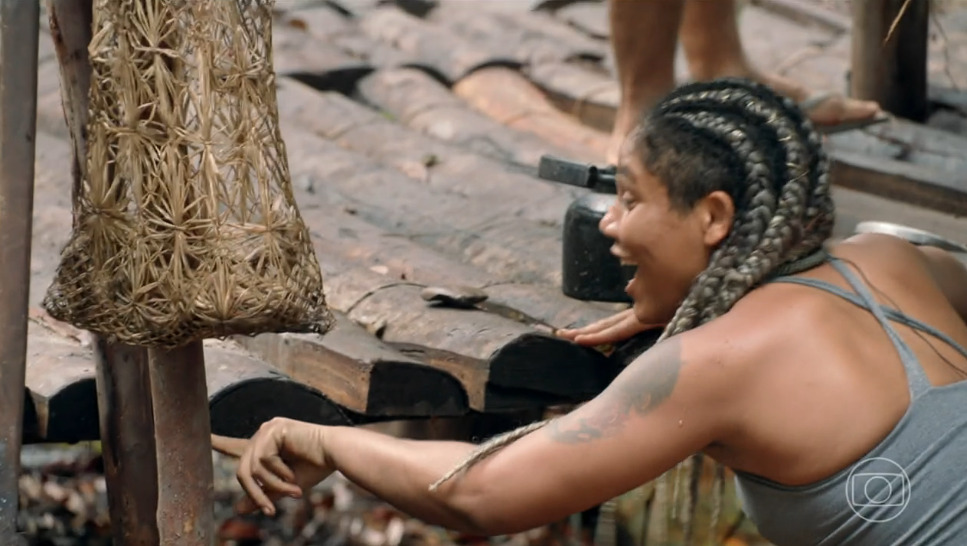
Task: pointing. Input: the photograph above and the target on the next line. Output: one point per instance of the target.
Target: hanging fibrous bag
(185, 226)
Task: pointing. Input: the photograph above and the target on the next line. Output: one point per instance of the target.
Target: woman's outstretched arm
(665, 406)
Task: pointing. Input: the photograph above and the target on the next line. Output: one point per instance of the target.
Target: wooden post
(126, 413)
(892, 72)
(155, 432)
(182, 432)
(19, 24)
(153, 405)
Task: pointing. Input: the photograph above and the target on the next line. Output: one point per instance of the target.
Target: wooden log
(945, 97)
(18, 107)
(398, 313)
(509, 98)
(394, 311)
(454, 207)
(434, 47)
(810, 13)
(892, 72)
(496, 188)
(124, 398)
(420, 102)
(61, 373)
(70, 29)
(181, 426)
(300, 55)
(30, 426)
(532, 43)
(544, 22)
(908, 142)
(328, 25)
(484, 397)
(589, 17)
(61, 381)
(589, 95)
(246, 390)
(353, 368)
(519, 250)
(912, 184)
(339, 235)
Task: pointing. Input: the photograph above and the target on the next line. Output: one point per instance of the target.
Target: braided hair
(737, 136)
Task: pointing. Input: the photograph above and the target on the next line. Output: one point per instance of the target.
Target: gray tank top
(910, 489)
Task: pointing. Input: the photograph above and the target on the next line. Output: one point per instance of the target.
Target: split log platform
(408, 182)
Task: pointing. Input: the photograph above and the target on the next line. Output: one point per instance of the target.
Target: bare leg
(643, 38)
(713, 47)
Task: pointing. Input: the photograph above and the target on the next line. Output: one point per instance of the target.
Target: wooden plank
(434, 47)
(420, 102)
(892, 72)
(946, 97)
(246, 390)
(18, 98)
(909, 142)
(491, 187)
(472, 373)
(243, 391)
(511, 99)
(299, 54)
(395, 312)
(807, 12)
(326, 24)
(61, 381)
(532, 43)
(911, 184)
(339, 235)
(466, 229)
(589, 95)
(589, 17)
(353, 368)
(456, 206)
(519, 356)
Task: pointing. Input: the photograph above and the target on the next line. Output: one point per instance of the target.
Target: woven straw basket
(185, 226)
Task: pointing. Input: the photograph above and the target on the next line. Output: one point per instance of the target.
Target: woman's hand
(284, 457)
(613, 329)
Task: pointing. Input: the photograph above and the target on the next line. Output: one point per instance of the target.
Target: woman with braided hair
(797, 362)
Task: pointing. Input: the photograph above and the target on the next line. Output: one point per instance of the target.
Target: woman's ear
(717, 212)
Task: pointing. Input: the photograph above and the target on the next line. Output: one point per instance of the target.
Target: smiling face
(670, 245)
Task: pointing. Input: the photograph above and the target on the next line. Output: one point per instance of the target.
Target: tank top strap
(916, 378)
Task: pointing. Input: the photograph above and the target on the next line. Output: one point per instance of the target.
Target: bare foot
(823, 108)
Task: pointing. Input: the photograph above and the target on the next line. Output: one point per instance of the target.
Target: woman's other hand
(613, 329)
(284, 458)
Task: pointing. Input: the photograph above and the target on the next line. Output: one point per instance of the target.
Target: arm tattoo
(645, 384)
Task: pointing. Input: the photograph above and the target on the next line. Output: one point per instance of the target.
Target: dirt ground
(64, 503)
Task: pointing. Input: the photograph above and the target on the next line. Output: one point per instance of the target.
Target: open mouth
(622, 255)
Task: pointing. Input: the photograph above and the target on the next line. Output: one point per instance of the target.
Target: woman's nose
(609, 222)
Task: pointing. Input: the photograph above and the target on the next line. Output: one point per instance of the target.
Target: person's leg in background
(713, 47)
(644, 35)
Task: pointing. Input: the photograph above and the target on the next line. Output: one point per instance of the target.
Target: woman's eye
(627, 201)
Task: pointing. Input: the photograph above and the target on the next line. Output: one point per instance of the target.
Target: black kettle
(588, 271)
